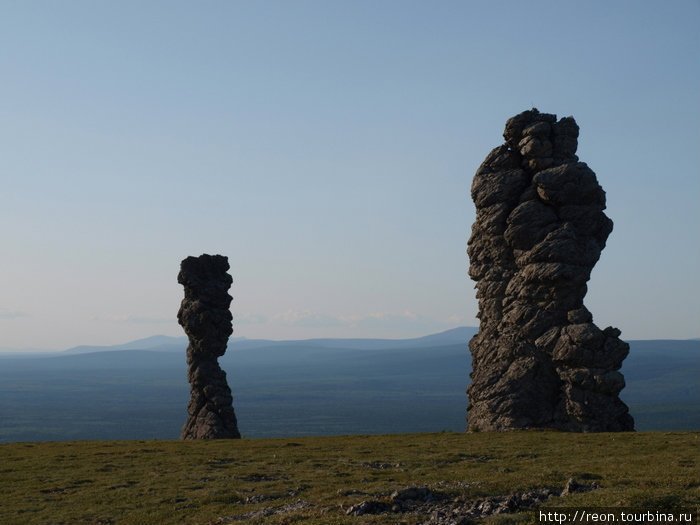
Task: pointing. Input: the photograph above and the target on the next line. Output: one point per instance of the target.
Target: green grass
(198, 482)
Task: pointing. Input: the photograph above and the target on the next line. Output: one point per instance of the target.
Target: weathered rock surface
(264, 512)
(445, 511)
(205, 316)
(458, 513)
(538, 360)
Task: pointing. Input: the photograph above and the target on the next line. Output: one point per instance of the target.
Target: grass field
(314, 480)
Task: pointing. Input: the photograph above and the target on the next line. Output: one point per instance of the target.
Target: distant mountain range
(164, 343)
(139, 389)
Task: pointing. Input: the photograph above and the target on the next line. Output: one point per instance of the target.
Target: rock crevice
(205, 316)
(538, 360)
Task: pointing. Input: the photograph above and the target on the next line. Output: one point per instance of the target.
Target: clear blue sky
(327, 148)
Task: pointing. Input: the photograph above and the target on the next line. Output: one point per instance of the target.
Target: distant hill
(139, 389)
(155, 342)
(164, 343)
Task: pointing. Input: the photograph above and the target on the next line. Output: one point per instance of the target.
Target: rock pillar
(538, 360)
(205, 316)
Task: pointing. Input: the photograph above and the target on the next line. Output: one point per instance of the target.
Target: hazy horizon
(233, 339)
(328, 150)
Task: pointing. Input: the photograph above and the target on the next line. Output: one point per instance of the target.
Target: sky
(327, 148)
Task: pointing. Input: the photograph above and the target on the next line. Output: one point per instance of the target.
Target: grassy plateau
(315, 480)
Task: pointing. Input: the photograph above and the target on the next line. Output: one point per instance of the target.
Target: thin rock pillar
(205, 316)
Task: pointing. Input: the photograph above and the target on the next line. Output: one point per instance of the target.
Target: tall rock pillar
(538, 360)
(205, 316)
